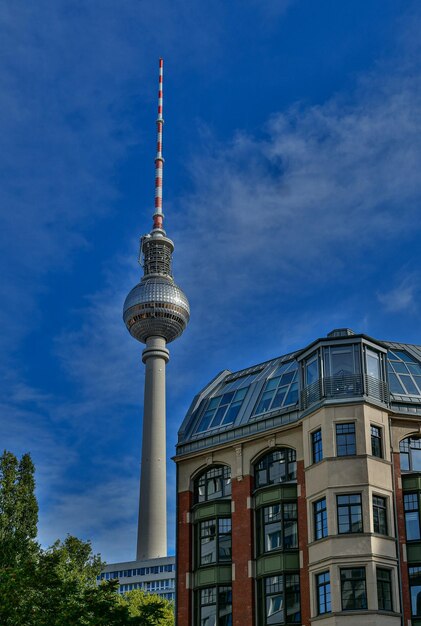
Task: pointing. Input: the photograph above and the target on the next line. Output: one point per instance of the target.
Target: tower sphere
(156, 307)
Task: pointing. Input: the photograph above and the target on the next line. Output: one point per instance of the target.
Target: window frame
(324, 521)
(266, 463)
(406, 442)
(380, 507)
(416, 509)
(376, 440)
(411, 577)
(322, 586)
(287, 592)
(284, 521)
(316, 446)
(346, 444)
(207, 476)
(349, 506)
(353, 580)
(217, 537)
(291, 387)
(380, 586)
(219, 590)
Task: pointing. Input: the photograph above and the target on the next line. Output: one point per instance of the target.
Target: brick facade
(242, 553)
(303, 545)
(406, 601)
(184, 559)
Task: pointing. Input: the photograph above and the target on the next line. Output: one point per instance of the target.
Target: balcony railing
(344, 386)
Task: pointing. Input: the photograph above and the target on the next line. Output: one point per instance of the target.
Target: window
(376, 442)
(350, 519)
(415, 590)
(320, 519)
(317, 446)
(323, 593)
(276, 467)
(312, 369)
(281, 599)
(410, 454)
(222, 410)
(373, 364)
(214, 541)
(345, 439)
(278, 527)
(342, 373)
(380, 515)
(384, 589)
(213, 484)
(412, 516)
(404, 373)
(215, 606)
(353, 589)
(281, 389)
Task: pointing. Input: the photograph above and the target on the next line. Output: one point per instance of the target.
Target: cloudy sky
(292, 192)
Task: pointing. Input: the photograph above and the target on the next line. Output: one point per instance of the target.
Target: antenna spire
(159, 160)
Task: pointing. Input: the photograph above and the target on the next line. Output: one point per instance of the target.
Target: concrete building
(155, 576)
(298, 490)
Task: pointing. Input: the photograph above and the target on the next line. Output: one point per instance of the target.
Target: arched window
(278, 466)
(214, 483)
(410, 453)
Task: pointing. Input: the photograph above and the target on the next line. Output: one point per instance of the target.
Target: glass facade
(281, 389)
(213, 484)
(276, 467)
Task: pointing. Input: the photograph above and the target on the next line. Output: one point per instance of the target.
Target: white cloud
(402, 298)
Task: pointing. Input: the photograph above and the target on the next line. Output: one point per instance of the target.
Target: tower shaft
(156, 311)
(152, 528)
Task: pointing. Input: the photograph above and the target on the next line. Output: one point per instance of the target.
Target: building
(153, 576)
(298, 490)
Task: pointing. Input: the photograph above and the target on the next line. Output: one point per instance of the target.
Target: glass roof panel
(403, 373)
(224, 408)
(401, 355)
(280, 390)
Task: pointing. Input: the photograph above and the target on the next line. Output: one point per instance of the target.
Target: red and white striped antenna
(159, 160)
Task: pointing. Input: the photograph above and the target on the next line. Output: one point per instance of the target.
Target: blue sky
(292, 190)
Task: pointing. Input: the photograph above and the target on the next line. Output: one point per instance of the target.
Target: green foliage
(55, 587)
(152, 609)
(18, 510)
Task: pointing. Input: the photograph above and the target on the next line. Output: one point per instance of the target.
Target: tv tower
(156, 311)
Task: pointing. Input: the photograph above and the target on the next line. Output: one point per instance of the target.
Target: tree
(57, 586)
(153, 610)
(18, 510)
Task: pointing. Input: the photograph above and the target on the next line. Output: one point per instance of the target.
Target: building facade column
(184, 559)
(242, 552)
(401, 536)
(303, 545)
